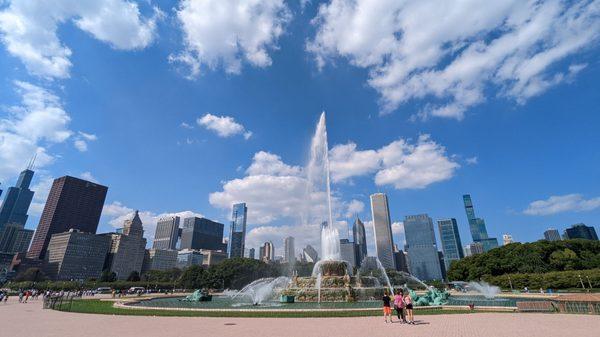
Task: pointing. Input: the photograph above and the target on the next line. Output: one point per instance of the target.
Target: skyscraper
(507, 239)
(552, 234)
(252, 253)
(126, 252)
(310, 254)
(72, 203)
(348, 252)
(421, 247)
(360, 239)
(17, 200)
(382, 229)
(477, 226)
(15, 239)
(267, 252)
(202, 233)
(167, 233)
(289, 249)
(581, 231)
(237, 231)
(451, 244)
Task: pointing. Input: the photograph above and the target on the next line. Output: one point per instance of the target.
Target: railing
(58, 302)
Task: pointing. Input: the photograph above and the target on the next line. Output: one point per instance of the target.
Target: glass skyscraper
(451, 244)
(382, 230)
(477, 226)
(237, 231)
(167, 233)
(360, 240)
(424, 260)
(16, 202)
(552, 235)
(202, 233)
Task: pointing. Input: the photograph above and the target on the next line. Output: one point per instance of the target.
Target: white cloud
(41, 190)
(82, 139)
(29, 128)
(451, 52)
(88, 176)
(355, 207)
(29, 28)
(400, 164)
(562, 203)
(229, 33)
(186, 125)
(117, 213)
(224, 126)
(472, 161)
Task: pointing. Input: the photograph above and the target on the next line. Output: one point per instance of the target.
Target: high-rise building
(581, 231)
(72, 203)
(17, 200)
(212, 257)
(451, 244)
(382, 230)
(310, 254)
(167, 233)
(127, 249)
(401, 263)
(477, 226)
(442, 264)
(474, 248)
(507, 239)
(421, 247)
(159, 259)
(189, 257)
(267, 252)
(348, 252)
(76, 255)
(289, 250)
(360, 239)
(552, 234)
(252, 253)
(237, 231)
(14, 238)
(201, 233)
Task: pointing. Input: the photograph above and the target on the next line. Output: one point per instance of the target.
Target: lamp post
(581, 281)
(589, 282)
(510, 282)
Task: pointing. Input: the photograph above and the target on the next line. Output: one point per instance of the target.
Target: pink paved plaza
(29, 320)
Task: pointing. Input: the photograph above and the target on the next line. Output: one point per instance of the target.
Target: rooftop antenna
(32, 162)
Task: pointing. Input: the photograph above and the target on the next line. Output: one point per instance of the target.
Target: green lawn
(106, 307)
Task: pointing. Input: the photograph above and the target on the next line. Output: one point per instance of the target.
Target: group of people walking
(403, 305)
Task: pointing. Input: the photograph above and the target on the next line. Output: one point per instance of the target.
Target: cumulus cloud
(82, 139)
(224, 126)
(28, 28)
(116, 213)
(451, 52)
(562, 203)
(229, 33)
(88, 176)
(30, 128)
(355, 207)
(400, 163)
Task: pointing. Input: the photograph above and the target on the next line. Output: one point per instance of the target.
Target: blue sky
(158, 104)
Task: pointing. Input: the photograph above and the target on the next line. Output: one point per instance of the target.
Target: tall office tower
(126, 252)
(552, 234)
(421, 246)
(202, 233)
(310, 254)
(477, 226)
(72, 203)
(442, 264)
(581, 231)
(451, 244)
(401, 263)
(348, 252)
(360, 239)
(189, 257)
(237, 231)
(252, 253)
(507, 239)
(15, 239)
(75, 255)
(159, 259)
(475, 248)
(382, 230)
(289, 250)
(16, 203)
(167, 233)
(267, 252)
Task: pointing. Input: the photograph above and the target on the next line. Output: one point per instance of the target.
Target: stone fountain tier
(334, 289)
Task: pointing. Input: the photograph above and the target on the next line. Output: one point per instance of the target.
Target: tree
(133, 277)
(192, 278)
(31, 274)
(108, 276)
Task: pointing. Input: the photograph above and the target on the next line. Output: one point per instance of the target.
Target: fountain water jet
(262, 289)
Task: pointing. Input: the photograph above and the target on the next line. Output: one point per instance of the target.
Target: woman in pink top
(409, 308)
(399, 305)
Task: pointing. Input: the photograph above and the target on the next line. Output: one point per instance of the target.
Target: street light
(581, 281)
(589, 282)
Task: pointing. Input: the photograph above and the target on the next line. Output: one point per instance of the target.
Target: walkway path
(30, 320)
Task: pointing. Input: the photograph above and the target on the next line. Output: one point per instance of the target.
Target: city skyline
(250, 115)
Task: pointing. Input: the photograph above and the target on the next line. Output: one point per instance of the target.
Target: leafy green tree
(108, 276)
(192, 278)
(32, 275)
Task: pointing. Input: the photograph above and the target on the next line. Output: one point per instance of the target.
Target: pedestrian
(409, 308)
(399, 305)
(6, 297)
(21, 296)
(387, 309)
(1, 296)
(27, 294)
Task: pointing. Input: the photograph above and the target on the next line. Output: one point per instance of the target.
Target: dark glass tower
(360, 240)
(477, 226)
(201, 233)
(451, 244)
(237, 231)
(16, 203)
(73, 203)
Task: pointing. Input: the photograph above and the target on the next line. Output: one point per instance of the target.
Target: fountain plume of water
(262, 290)
(484, 288)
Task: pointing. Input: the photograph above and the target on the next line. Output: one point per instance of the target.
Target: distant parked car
(103, 290)
(136, 290)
